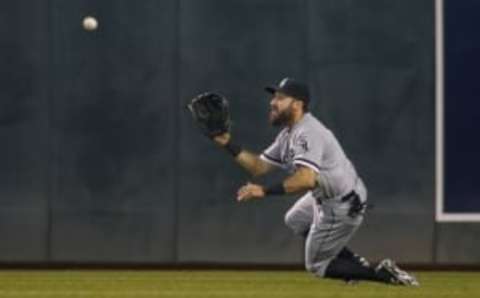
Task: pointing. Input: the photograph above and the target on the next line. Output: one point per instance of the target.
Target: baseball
(90, 23)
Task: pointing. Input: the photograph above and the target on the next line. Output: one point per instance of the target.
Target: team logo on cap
(283, 82)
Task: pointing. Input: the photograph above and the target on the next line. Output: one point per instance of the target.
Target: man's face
(281, 109)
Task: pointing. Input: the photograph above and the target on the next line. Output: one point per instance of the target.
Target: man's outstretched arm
(302, 180)
(251, 162)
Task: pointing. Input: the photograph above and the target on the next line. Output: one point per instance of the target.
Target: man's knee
(317, 268)
(295, 223)
(289, 218)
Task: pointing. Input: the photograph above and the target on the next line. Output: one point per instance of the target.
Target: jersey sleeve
(308, 151)
(272, 154)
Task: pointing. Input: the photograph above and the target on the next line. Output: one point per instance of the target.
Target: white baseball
(90, 23)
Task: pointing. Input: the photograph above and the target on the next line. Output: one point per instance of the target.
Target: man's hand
(222, 139)
(250, 191)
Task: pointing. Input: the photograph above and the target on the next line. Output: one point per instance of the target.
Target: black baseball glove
(210, 111)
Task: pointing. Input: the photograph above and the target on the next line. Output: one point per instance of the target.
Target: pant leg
(329, 233)
(300, 216)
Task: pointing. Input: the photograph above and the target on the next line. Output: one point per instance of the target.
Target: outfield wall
(101, 164)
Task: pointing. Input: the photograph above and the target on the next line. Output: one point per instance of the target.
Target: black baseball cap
(292, 88)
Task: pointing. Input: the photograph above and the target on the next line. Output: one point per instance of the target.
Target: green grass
(228, 284)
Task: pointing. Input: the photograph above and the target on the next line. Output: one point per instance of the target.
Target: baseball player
(334, 196)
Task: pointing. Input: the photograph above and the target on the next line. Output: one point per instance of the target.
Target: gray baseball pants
(328, 224)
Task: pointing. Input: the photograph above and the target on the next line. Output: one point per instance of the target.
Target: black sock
(347, 269)
(346, 253)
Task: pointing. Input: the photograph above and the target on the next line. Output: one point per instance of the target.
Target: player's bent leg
(323, 261)
(326, 239)
(326, 256)
(300, 216)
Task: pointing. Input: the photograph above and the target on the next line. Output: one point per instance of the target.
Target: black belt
(349, 196)
(356, 208)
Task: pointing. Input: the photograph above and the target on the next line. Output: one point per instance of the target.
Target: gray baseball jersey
(309, 143)
(329, 226)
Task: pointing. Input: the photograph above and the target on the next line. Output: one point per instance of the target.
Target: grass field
(229, 284)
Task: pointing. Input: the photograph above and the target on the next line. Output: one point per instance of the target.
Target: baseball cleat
(398, 276)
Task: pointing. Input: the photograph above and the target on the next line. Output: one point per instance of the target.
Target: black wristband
(275, 189)
(233, 149)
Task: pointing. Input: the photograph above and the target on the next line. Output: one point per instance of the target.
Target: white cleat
(398, 276)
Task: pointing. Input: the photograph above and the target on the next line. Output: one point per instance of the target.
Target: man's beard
(282, 118)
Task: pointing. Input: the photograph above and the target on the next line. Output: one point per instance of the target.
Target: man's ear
(298, 104)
